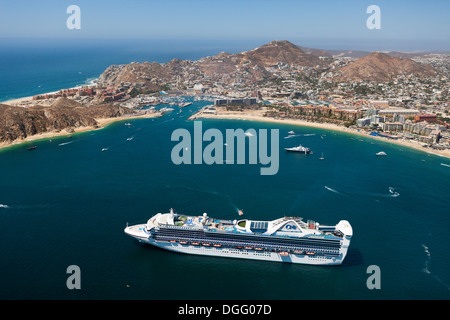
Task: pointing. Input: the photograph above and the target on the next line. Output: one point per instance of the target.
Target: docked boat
(287, 239)
(299, 149)
(166, 109)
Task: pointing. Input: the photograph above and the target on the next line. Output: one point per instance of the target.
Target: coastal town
(396, 96)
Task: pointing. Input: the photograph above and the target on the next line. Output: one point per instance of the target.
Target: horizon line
(298, 42)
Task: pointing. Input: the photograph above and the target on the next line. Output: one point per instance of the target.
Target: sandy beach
(102, 123)
(28, 102)
(19, 102)
(258, 115)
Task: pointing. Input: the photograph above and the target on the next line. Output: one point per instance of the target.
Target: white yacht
(299, 149)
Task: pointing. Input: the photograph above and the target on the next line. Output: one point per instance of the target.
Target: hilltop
(248, 67)
(281, 52)
(381, 67)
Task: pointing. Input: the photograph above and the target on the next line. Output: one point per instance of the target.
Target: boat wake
(392, 193)
(211, 192)
(299, 135)
(444, 164)
(427, 266)
(25, 207)
(427, 252)
(332, 190)
(64, 143)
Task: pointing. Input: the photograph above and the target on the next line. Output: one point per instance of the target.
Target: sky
(328, 24)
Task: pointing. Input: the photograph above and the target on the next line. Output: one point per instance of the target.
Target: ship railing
(265, 246)
(268, 242)
(190, 227)
(331, 237)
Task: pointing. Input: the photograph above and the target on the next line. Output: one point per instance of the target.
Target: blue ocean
(67, 202)
(35, 66)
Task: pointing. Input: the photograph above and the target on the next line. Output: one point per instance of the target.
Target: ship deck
(210, 224)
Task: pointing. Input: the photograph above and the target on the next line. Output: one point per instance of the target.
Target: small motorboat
(299, 149)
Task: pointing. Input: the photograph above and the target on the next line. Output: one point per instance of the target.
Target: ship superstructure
(287, 239)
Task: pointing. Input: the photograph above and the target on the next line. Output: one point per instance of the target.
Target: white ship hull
(241, 253)
(286, 239)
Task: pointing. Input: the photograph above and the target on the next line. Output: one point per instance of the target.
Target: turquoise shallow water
(67, 202)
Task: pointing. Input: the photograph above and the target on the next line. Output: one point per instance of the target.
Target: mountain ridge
(259, 64)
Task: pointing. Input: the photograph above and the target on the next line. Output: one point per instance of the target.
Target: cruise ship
(287, 239)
